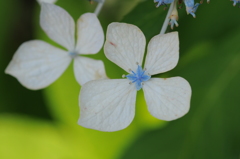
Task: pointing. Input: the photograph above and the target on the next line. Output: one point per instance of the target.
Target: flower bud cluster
(191, 8)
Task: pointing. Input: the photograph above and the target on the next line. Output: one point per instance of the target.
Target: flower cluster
(191, 8)
(105, 104)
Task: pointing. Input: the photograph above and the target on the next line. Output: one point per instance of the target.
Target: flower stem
(99, 7)
(165, 24)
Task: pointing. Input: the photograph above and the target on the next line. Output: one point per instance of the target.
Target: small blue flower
(190, 7)
(138, 77)
(162, 2)
(235, 2)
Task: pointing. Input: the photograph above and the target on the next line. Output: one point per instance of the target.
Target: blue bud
(190, 7)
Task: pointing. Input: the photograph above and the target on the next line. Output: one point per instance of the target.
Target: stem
(165, 24)
(99, 7)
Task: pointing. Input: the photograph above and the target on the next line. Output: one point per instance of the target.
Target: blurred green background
(43, 124)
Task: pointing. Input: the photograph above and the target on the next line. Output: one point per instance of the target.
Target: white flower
(37, 64)
(47, 1)
(109, 105)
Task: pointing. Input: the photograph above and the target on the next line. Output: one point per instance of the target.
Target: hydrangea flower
(36, 64)
(109, 104)
(172, 15)
(191, 8)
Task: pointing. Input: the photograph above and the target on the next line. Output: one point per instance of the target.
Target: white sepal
(90, 34)
(36, 64)
(169, 98)
(107, 105)
(125, 45)
(87, 69)
(58, 25)
(163, 53)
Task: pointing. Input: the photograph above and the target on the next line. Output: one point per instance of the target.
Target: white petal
(125, 45)
(36, 64)
(107, 105)
(90, 34)
(169, 98)
(47, 1)
(163, 53)
(87, 69)
(58, 25)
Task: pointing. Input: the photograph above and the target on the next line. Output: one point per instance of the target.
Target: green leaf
(23, 137)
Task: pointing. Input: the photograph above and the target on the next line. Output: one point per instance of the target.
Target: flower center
(72, 54)
(138, 77)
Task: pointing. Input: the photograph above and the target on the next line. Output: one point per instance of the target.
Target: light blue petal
(139, 71)
(159, 3)
(191, 8)
(193, 14)
(189, 3)
(195, 7)
(168, 1)
(131, 77)
(145, 78)
(162, 2)
(138, 85)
